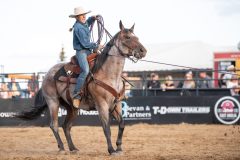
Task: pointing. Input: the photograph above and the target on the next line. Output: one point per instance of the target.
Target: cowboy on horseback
(106, 87)
(83, 47)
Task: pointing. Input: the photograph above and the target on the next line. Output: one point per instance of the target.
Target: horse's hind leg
(53, 109)
(117, 113)
(71, 115)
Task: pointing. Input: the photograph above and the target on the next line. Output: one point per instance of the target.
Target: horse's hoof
(62, 152)
(116, 153)
(75, 151)
(119, 152)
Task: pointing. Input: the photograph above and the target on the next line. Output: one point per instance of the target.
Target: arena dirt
(142, 141)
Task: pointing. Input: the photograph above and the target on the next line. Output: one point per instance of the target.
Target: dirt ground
(141, 141)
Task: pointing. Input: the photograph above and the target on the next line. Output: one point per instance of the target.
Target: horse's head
(128, 43)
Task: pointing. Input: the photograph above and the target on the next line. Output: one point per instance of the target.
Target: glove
(96, 17)
(100, 47)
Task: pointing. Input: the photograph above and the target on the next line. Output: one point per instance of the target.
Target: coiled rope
(100, 31)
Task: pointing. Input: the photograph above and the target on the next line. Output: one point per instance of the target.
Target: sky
(32, 32)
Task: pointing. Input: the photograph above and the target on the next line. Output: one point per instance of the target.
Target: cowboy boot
(76, 100)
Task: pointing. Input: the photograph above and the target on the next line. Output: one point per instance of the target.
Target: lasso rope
(100, 31)
(187, 67)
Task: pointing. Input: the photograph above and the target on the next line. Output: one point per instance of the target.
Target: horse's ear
(132, 28)
(121, 25)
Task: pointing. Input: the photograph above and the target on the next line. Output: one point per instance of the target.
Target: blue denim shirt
(81, 35)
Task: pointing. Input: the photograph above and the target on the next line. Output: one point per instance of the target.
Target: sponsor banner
(153, 110)
(136, 112)
(227, 110)
(63, 112)
(181, 110)
(176, 109)
(7, 114)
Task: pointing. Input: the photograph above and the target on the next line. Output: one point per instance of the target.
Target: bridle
(131, 56)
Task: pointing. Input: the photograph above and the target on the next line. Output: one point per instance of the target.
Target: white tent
(193, 54)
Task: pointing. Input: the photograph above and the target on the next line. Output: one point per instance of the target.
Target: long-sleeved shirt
(205, 82)
(81, 35)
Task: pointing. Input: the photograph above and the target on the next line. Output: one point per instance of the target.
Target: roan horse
(108, 68)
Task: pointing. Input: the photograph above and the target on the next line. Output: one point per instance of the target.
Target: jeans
(84, 67)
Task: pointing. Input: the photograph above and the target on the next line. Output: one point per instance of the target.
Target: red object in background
(224, 59)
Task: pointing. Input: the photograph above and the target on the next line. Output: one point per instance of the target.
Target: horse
(105, 91)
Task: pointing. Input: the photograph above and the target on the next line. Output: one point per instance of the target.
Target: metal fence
(25, 85)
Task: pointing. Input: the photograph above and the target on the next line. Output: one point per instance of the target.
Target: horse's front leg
(104, 118)
(117, 113)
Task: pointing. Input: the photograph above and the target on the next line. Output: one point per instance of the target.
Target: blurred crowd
(202, 79)
(18, 88)
(228, 79)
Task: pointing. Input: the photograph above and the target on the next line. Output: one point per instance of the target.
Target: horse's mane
(103, 56)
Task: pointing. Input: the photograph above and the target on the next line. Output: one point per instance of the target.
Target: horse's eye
(128, 37)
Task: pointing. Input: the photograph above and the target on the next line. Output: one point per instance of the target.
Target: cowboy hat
(78, 11)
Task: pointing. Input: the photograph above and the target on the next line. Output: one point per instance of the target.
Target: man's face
(82, 18)
(236, 89)
(188, 76)
(154, 77)
(202, 74)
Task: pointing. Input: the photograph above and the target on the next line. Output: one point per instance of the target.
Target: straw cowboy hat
(78, 11)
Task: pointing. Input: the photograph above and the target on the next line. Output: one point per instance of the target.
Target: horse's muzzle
(139, 52)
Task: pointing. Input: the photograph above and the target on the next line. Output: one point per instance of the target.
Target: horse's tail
(39, 106)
